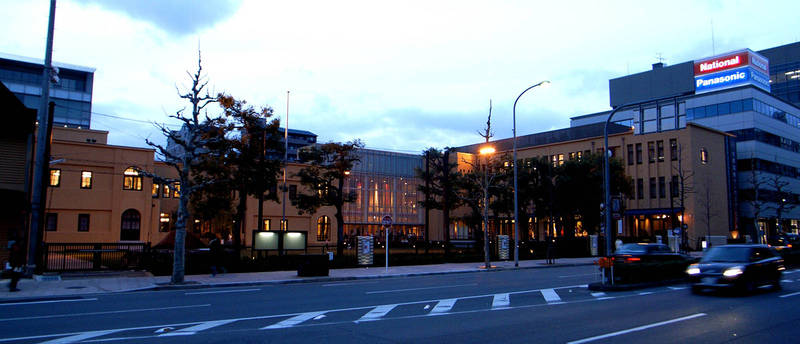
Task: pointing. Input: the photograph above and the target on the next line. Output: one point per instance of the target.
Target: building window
(51, 222)
(323, 228)
(55, 177)
(293, 193)
(176, 190)
(560, 159)
(673, 149)
(155, 190)
(703, 156)
(651, 151)
(652, 187)
(674, 187)
(83, 222)
(579, 155)
(165, 191)
(86, 179)
(163, 222)
(131, 180)
(660, 150)
(130, 225)
(571, 155)
(662, 187)
(284, 224)
(638, 153)
(640, 188)
(630, 154)
(267, 223)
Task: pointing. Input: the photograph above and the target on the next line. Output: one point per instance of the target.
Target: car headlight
(733, 272)
(693, 270)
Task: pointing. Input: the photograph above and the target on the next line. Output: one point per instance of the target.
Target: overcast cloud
(400, 75)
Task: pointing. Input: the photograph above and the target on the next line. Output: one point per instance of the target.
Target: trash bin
(311, 265)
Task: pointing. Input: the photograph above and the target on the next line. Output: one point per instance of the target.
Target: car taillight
(633, 259)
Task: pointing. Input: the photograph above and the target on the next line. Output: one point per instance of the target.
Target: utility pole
(284, 187)
(41, 160)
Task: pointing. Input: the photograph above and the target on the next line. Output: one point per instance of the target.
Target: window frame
(83, 179)
(55, 173)
(51, 218)
(132, 180)
(88, 222)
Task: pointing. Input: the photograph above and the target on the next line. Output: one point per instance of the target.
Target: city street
(537, 305)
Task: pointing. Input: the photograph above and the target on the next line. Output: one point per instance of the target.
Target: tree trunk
(179, 257)
(340, 220)
(427, 200)
(446, 200)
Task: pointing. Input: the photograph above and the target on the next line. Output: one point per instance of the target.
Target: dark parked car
(742, 267)
(645, 252)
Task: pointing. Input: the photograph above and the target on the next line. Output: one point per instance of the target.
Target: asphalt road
(524, 306)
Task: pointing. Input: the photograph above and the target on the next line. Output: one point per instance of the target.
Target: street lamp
(516, 208)
(486, 151)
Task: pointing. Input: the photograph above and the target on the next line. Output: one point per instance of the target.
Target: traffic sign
(386, 221)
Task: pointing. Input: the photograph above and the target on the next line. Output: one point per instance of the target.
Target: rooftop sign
(742, 67)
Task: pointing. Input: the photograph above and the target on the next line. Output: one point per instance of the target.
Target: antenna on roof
(713, 48)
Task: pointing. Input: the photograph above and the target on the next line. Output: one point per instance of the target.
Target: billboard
(737, 68)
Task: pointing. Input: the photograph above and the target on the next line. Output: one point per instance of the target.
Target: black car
(644, 262)
(646, 252)
(741, 267)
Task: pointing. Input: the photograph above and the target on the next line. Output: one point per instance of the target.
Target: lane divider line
(80, 337)
(635, 329)
(221, 291)
(790, 295)
(197, 328)
(46, 301)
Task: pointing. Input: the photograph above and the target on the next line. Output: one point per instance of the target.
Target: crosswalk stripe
(550, 295)
(377, 312)
(599, 294)
(197, 328)
(443, 306)
(500, 301)
(80, 337)
(294, 320)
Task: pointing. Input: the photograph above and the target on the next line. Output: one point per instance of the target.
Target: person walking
(551, 250)
(217, 253)
(17, 260)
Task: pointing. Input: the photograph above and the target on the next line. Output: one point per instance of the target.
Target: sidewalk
(31, 289)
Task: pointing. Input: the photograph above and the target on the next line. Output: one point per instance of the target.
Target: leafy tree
(438, 185)
(328, 165)
(252, 172)
(190, 148)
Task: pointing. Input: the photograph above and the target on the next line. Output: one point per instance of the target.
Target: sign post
(387, 224)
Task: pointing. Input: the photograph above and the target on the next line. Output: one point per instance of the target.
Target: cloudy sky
(401, 76)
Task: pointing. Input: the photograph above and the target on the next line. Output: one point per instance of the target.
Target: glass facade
(785, 81)
(384, 184)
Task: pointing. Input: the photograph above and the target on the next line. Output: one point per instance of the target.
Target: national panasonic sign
(743, 67)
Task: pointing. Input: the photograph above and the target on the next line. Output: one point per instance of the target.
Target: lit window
(323, 228)
(176, 190)
(155, 190)
(86, 180)
(267, 223)
(163, 222)
(131, 180)
(165, 191)
(55, 177)
(703, 156)
(284, 224)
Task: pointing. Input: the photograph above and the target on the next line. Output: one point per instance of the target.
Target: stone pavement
(32, 289)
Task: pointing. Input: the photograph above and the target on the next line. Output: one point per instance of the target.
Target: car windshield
(632, 248)
(727, 254)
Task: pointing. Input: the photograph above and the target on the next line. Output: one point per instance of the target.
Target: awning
(653, 211)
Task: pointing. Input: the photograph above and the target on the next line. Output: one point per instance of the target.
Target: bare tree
(756, 200)
(189, 146)
(685, 187)
(706, 200)
(783, 197)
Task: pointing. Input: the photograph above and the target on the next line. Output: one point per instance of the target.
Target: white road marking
(790, 271)
(46, 301)
(79, 337)
(294, 320)
(98, 313)
(787, 281)
(377, 313)
(443, 306)
(320, 317)
(646, 293)
(221, 291)
(424, 288)
(500, 301)
(197, 328)
(677, 288)
(790, 295)
(599, 294)
(550, 296)
(640, 328)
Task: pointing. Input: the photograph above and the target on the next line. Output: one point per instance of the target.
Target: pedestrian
(217, 253)
(16, 260)
(551, 250)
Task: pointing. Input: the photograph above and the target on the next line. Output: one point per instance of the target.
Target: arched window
(131, 179)
(129, 230)
(323, 228)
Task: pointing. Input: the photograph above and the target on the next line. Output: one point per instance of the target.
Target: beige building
(656, 164)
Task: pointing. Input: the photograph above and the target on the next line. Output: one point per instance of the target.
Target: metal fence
(95, 256)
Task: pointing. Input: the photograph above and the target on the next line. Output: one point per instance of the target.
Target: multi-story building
(732, 93)
(72, 94)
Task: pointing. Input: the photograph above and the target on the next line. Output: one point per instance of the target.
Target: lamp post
(516, 208)
(486, 152)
